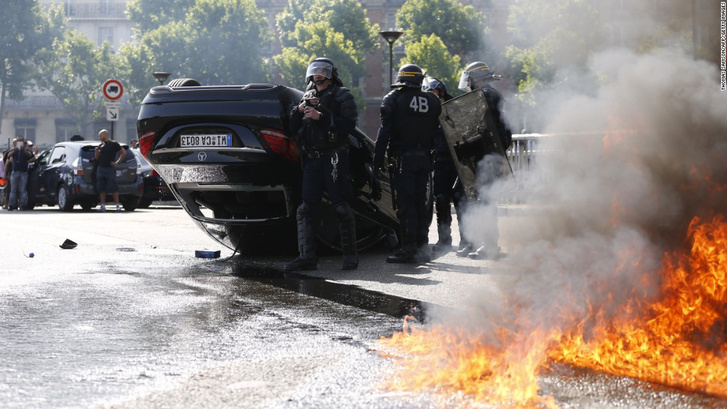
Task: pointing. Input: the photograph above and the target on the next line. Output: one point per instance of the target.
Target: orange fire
(676, 339)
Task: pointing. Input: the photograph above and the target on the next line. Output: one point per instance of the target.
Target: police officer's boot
(348, 236)
(306, 243)
(444, 231)
(408, 246)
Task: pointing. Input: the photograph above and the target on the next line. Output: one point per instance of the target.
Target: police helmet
(323, 67)
(410, 75)
(431, 84)
(477, 72)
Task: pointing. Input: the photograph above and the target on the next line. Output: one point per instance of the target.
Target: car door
(50, 175)
(36, 191)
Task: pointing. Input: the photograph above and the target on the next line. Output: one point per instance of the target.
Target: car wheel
(144, 203)
(130, 203)
(64, 199)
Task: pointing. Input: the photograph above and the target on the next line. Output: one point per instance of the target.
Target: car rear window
(89, 151)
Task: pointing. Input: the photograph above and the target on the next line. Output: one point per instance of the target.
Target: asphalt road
(130, 318)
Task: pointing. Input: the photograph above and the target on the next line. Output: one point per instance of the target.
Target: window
(57, 154)
(106, 34)
(25, 127)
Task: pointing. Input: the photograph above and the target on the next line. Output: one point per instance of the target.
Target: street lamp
(161, 76)
(391, 36)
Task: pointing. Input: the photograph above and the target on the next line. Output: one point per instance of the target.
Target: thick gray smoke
(638, 159)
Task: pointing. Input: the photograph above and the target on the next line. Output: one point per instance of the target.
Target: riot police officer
(409, 120)
(477, 76)
(445, 176)
(321, 123)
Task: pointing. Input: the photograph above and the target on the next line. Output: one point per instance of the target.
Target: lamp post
(161, 76)
(391, 36)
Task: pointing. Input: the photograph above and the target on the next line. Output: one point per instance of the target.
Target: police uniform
(324, 154)
(477, 77)
(409, 120)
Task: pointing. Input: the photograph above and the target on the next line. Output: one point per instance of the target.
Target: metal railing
(96, 10)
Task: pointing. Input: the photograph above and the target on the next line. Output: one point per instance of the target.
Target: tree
(551, 36)
(337, 29)
(215, 42)
(432, 55)
(148, 15)
(460, 27)
(76, 74)
(318, 40)
(25, 31)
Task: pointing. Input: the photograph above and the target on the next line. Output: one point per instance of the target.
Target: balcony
(95, 10)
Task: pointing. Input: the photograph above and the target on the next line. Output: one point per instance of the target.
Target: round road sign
(112, 89)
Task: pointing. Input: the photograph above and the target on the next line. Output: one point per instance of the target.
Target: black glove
(374, 182)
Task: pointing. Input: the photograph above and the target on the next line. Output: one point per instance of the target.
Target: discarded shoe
(301, 264)
(69, 244)
(401, 257)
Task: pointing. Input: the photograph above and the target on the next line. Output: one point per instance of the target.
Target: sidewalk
(445, 281)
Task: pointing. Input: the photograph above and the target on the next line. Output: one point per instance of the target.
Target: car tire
(144, 203)
(130, 203)
(63, 198)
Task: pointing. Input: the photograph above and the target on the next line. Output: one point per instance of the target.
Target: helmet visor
(463, 86)
(319, 68)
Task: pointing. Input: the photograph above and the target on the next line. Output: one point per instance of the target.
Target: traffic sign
(112, 89)
(112, 114)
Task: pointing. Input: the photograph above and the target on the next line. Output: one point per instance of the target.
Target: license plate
(186, 141)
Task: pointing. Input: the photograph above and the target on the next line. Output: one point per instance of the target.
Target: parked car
(65, 176)
(227, 156)
(155, 188)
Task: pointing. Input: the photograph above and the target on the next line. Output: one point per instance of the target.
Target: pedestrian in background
(5, 193)
(409, 120)
(105, 155)
(321, 123)
(18, 163)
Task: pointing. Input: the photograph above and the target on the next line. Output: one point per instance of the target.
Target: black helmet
(431, 83)
(410, 75)
(321, 66)
(477, 72)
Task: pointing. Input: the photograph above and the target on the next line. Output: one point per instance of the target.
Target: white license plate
(186, 141)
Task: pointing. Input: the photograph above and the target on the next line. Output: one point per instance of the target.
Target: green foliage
(432, 55)
(148, 15)
(337, 29)
(76, 74)
(214, 42)
(460, 27)
(25, 30)
(549, 36)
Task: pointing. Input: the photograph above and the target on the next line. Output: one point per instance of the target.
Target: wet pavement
(130, 318)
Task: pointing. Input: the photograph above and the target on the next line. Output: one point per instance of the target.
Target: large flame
(676, 339)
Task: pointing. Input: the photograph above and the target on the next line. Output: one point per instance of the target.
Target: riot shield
(471, 133)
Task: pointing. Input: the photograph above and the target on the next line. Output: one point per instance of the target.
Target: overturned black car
(227, 156)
